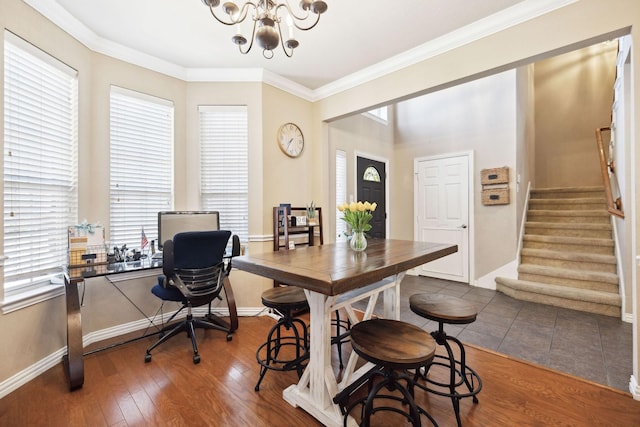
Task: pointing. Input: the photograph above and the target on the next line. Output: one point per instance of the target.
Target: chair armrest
(175, 281)
(235, 245)
(235, 251)
(167, 259)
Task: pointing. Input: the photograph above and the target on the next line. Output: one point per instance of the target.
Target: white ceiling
(355, 39)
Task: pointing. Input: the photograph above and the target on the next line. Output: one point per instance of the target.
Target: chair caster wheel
(229, 337)
(196, 359)
(147, 358)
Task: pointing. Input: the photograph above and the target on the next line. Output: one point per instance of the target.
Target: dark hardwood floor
(121, 390)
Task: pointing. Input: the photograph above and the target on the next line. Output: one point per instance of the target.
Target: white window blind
(224, 168)
(141, 168)
(40, 163)
(341, 192)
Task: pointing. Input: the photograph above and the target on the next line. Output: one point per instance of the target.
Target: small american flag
(144, 241)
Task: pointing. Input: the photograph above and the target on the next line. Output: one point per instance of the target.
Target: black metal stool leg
(298, 338)
(456, 368)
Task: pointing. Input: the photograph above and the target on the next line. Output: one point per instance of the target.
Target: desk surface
(335, 268)
(96, 270)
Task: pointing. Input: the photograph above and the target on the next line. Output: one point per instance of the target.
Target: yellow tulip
(341, 208)
(367, 206)
(374, 205)
(360, 207)
(353, 207)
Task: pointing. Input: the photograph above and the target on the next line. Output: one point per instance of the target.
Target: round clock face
(290, 140)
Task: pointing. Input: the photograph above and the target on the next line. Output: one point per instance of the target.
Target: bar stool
(447, 309)
(343, 332)
(394, 347)
(288, 333)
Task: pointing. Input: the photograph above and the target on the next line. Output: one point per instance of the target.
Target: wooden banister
(614, 207)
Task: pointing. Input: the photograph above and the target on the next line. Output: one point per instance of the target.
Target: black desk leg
(73, 360)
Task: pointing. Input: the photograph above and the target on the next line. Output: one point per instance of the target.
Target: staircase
(567, 258)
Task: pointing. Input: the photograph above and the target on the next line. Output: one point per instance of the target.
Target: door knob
(463, 226)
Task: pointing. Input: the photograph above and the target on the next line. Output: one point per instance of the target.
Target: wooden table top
(335, 268)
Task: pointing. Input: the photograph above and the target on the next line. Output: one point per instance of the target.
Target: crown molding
(223, 75)
(477, 30)
(514, 15)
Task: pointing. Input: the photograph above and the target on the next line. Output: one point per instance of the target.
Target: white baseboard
(21, 378)
(634, 387)
(18, 380)
(488, 281)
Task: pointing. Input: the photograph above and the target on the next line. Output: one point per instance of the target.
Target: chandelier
(267, 15)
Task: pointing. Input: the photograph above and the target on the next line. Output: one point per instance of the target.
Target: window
(141, 181)
(379, 114)
(341, 192)
(371, 174)
(224, 167)
(40, 164)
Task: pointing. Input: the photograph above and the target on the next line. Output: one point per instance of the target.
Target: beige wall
(574, 95)
(357, 135)
(525, 140)
(478, 116)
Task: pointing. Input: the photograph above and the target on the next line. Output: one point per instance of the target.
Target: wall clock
(290, 139)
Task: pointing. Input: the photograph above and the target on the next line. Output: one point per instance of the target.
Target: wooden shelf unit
(284, 232)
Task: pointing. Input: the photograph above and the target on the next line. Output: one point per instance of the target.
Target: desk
(334, 277)
(74, 359)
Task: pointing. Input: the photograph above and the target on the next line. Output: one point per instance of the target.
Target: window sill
(25, 299)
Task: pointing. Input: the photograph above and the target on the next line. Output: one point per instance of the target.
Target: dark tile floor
(594, 347)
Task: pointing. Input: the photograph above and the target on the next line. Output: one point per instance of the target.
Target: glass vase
(358, 241)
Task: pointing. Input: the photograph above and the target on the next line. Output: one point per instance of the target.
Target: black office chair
(195, 268)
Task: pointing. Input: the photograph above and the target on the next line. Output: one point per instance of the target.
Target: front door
(371, 180)
(442, 213)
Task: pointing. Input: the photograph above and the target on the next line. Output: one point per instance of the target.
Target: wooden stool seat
(285, 298)
(394, 347)
(392, 342)
(448, 309)
(443, 308)
(289, 333)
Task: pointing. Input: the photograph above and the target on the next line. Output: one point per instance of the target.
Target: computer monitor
(174, 222)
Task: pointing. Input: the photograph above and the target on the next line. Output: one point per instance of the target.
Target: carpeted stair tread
(572, 201)
(570, 256)
(605, 303)
(569, 225)
(569, 213)
(590, 241)
(569, 273)
(587, 295)
(566, 192)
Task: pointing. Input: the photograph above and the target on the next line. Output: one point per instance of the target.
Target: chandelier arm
(253, 33)
(282, 42)
(296, 18)
(295, 24)
(242, 15)
(291, 12)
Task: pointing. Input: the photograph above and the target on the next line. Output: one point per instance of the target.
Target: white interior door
(442, 203)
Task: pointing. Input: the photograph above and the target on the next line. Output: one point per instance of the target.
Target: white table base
(318, 384)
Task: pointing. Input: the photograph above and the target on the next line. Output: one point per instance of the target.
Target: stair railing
(614, 207)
